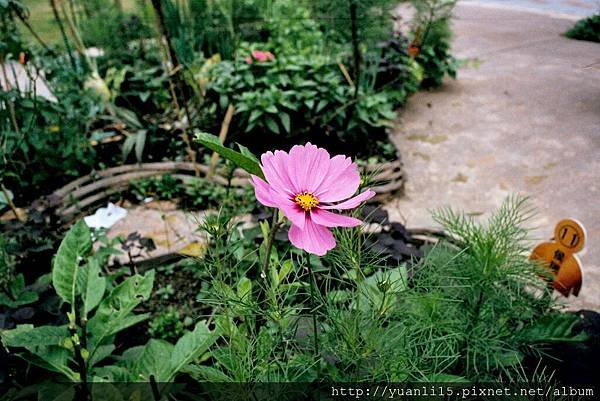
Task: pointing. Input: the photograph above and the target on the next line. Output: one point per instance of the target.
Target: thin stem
(155, 389)
(177, 81)
(476, 311)
(82, 369)
(355, 46)
(269, 244)
(62, 32)
(313, 305)
(35, 35)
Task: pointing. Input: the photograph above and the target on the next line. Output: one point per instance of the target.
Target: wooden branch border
(78, 196)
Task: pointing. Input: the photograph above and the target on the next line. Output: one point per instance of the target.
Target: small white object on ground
(105, 217)
(94, 52)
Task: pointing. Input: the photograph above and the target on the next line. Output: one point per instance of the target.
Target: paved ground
(524, 117)
(571, 9)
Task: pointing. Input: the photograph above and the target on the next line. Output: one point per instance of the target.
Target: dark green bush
(586, 29)
(52, 140)
(295, 98)
(435, 56)
(113, 30)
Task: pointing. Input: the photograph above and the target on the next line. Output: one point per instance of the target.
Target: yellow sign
(560, 258)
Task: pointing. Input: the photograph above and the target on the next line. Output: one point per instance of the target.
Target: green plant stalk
(355, 47)
(177, 77)
(79, 45)
(62, 32)
(313, 305)
(35, 34)
(155, 389)
(81, 366)
(276, 223)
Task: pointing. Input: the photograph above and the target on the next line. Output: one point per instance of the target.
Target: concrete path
(523, 117)
(570, 9)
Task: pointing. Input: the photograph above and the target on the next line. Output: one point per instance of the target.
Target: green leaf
(255, 115)
(27, 336)
(45, 345)
(17, 285)
(144, 96)
(246, 152)
(140, 142)
(189, 347)
(552, 329)
(54, 359)
(250, 164)
(445, 378)
(18, 296)
(206, 373)
(285, 120)
(3, 201)
(24, 298)
(111, 373)
(76, 244)
(91, 285)
(56, 392)
(321, 105)
(128, 146)
(128, 116)
(508, 358)
(107, 392)
(244, 289)
(272, 125)
(286, 267)
(152, 361)
(274, 276)
(103, 351)
(114, 312)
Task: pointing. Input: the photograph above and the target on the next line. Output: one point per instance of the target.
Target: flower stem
(269, 244)
(313, 304)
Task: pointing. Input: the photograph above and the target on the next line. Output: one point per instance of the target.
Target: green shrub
(167, 325)
(210, 27)
(435, 57)
(11, 42)
(296, 98)
(50, 140)
(373, 21)
(113, 30)
(586, 29)
(7, 264)
(85, 349)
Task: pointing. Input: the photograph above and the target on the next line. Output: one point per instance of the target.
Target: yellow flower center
(306, 200)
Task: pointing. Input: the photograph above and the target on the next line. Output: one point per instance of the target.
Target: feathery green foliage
(474, 307)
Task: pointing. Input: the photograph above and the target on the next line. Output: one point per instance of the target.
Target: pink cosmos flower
(304, 184)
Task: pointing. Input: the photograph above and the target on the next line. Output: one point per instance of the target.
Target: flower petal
(296, 215)
(328, 219)
(341, 182)
(352, 202)
(275, 168)
(268, 197)
(317, 170)
(313, 238)
(304, 163)
(263, 192)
